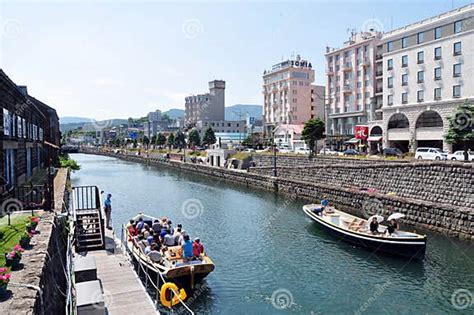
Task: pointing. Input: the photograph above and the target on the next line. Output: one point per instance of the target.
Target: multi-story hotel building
(289, 94)
(350, 85)
(424, 71)
(206, 107)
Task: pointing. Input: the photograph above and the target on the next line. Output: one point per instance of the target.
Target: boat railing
(147, 274)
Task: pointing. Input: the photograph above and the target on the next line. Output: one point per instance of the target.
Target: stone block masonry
(449, 218)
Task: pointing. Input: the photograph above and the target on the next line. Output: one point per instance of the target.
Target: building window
(390, 64)
(366, 94)
(358, 73)
(457, 27)
(359, 96)
(437, 53)
(390, 99)
(389, 46)
(438, 32)
(421, 57)
(404, 42)
(420, 38)
(437, 93)
(457, 70)
(421, 76)
(457, 48)
(404, 79)
(390, 82)
(420, 95)
(359, 84)
(456, 91)
(405, 61)
(404, 98)
(437, 73)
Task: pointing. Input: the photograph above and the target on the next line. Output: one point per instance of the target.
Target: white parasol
(396, 216)
(379, 218)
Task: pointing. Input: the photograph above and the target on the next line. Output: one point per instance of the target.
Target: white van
(430, 154)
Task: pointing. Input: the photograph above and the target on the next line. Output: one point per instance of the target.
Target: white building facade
(425, 72)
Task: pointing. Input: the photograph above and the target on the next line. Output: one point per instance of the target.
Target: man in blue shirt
(108, 210)
(187, 248)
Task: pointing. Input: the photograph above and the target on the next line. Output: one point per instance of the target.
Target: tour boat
(355, 230)
(171, 268)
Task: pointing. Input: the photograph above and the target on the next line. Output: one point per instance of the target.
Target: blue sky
(111, 59)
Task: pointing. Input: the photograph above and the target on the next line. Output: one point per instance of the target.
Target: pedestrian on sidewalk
(108, 210)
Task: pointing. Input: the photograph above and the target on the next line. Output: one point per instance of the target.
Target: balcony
(347, 66)
(347, 89)
(378, 91)
(330, 71)
(365, 62)
(379, 73)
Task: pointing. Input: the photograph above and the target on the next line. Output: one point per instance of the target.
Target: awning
(353, 140)
(374, 138)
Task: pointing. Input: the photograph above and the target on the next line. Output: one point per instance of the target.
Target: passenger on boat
(146, 231)
(168, 239)
(392, 227)
(324, 202)
(374, 226)
(163, 232)
(140, 224)
(181, 238)
(177, 235)
(187, 248)
(198, 248)
(156, 226)
(170, 227)
(155, 253)
(132, 231)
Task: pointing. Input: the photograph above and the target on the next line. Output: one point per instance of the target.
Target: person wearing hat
(108, 210)
(198, 248)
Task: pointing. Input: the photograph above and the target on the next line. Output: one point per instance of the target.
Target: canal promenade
(434, 196)
(270, 258)
(122, 289)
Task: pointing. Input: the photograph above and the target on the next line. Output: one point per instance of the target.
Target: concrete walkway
(123, 290)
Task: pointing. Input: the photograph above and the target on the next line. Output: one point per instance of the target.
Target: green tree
(312, 132)
(146, 141)
(194, 138)
(153, 140)
(160, 139)
(461, 126)
(170, 140)
(180, 139)
(135, 143)
(209, 137)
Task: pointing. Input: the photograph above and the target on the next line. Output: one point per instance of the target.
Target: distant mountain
(174, 113)
(73, 120)
(233, 112)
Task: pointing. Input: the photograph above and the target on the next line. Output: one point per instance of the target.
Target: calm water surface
(266, 249)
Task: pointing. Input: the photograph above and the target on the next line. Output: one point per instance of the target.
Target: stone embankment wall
(40, 286)
(440, 182)
(446, 218)
(266, 160)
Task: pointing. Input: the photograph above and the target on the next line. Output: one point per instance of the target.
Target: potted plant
(25, 240)
(4, 279)
(13, 258)
(31, 227)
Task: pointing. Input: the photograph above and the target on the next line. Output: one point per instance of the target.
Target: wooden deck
(123, 291)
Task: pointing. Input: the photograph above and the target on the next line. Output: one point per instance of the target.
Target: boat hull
(409, 248)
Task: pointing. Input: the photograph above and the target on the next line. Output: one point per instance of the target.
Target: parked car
(302, 151)
(459, 156)
(392, 152)
(328, 151)
(430, 154)
(249, 150)
(351, 152)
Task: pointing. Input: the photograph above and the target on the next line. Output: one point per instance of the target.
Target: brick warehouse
(30, 136)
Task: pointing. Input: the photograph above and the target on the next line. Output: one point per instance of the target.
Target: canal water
(271, 259)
